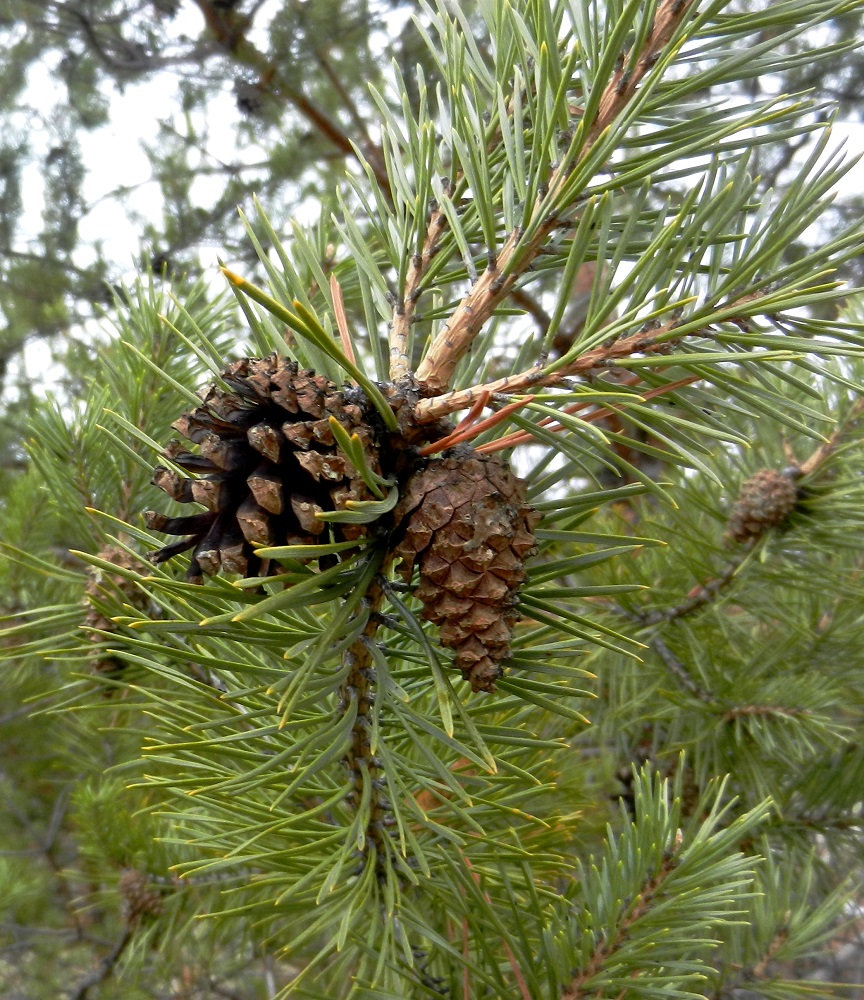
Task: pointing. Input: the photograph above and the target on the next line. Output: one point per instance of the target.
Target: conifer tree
(494, 630)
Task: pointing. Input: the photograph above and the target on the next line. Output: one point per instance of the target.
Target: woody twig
(230, 30)
(601, 413)
(403, 312)
(825, 450)
(581, 984)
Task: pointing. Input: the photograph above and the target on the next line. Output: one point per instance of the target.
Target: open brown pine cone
(267, 465)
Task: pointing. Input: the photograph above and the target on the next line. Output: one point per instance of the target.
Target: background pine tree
(273, 780)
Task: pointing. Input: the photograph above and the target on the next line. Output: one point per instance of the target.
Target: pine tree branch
(600, 413)
(46, 848)
(747, 977)
(606, 947)
(825, 450)
(48, 262)
(677, 668)
(700, 596)
(358, 688)
(533, 308)
(740, 711)
(115, 53)
(706, 593)
(515, 257)
(655, 340)
(347, 100)
(403, 313)
(229, 29)
(106, 967)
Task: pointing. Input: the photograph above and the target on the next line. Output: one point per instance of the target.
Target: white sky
(114, 153)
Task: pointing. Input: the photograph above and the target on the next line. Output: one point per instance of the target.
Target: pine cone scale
(266, 487)
(211, 493)
(267, 441)
(177, 487)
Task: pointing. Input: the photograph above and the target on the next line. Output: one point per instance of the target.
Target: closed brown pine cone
(766, 500)
(140, 897)
(467, 525)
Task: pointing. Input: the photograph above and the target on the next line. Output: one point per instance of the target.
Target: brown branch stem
(229, 29)
(489, 290)
(533, 308)
(347, 100)
(105, 969)
(678, 670)
(825, 450)
(358, 687)
(641, 342)
(699, 597)
(742, 711)
(601, 413)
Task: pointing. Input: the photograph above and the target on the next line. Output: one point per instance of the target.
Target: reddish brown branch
(468, 430)
(229, 29)
(526, 437)
(469, 317)
(825, 450)
(700, 596)
(654, 341)
(624, 83)
(531, 306)
(346, 99)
